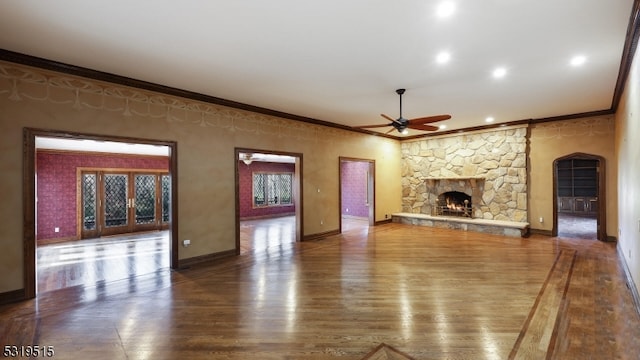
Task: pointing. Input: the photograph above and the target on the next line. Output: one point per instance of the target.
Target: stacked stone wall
(496, 160)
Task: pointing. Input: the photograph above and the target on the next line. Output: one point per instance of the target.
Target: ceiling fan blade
(423, 127)
(429, 119)
(390, 118)
(371, 126)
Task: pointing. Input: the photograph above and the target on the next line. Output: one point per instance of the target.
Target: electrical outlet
(186, 243)
(541, 219)
(347, 209)
(386, 216)
(321, 222)
(57, 229)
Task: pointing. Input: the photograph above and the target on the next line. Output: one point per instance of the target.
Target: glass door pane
(89, 203)
(166, 198)
(145, 198)
(116, 203)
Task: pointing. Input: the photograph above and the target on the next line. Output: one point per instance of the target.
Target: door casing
(29, 195)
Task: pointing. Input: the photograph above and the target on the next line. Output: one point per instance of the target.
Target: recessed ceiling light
(578, 60)
(443, 57)
(499, 72)
(445, 9)
(442, 127)
(489, 119)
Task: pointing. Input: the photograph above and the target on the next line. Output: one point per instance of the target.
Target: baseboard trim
(56, 240)
(269, 216)
(188, 262)
(540, 232)
(382, 222)
(320, 235)
(12, 296)
(630, 283)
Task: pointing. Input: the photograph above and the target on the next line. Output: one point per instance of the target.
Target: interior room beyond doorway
(102, 211)
(267, 194)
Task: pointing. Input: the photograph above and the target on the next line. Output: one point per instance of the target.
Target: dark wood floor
(430, 293)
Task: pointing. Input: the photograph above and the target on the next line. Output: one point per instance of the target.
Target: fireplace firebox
(454, 203)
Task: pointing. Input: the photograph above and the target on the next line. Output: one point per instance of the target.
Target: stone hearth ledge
(495, 227)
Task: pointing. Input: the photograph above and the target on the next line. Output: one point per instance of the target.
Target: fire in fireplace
(454, 203)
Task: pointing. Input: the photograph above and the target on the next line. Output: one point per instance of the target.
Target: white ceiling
(341, 61)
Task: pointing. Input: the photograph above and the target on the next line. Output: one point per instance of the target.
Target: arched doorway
(579, 205)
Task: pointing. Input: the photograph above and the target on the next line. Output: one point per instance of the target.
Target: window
(272, 189)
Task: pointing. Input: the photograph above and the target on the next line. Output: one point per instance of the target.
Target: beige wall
(206, 136)
(549, 141)
(628, 156)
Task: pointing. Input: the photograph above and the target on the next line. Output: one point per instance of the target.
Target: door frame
(371, 187)
(29, 194)
(297, 189)
(601, 217)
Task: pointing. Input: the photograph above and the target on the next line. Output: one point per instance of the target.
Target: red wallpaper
(245, 173)
(56, 186)
(353, 175)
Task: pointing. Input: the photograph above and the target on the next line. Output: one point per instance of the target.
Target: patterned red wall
(353, 175)
(245, 173)
(57, 181)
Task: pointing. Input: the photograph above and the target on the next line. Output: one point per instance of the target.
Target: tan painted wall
(549, 141)
(206, 136)
(628, 156)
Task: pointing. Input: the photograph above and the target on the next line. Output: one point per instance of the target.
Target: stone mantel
(472, 179)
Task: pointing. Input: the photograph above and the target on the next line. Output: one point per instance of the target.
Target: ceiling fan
(401, 124)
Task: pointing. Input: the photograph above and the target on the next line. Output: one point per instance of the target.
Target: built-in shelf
(577, 185)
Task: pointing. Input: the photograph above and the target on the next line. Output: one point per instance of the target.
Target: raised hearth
(495, 227)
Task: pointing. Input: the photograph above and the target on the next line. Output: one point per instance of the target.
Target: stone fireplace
(488, 166)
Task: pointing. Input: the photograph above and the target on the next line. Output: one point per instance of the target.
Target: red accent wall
(56, 174)
(353, 175)
(245, 174)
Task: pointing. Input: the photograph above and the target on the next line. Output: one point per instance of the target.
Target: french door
(116, 202)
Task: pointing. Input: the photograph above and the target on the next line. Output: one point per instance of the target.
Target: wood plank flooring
(429, 293)
(90, 262)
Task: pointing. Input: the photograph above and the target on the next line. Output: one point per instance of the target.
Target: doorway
(32, 138)
(357, 193)
(268, 200)
(579, 197)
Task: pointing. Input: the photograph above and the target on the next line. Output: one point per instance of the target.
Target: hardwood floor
(429, 293)
(91, 262)
(267, 235)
